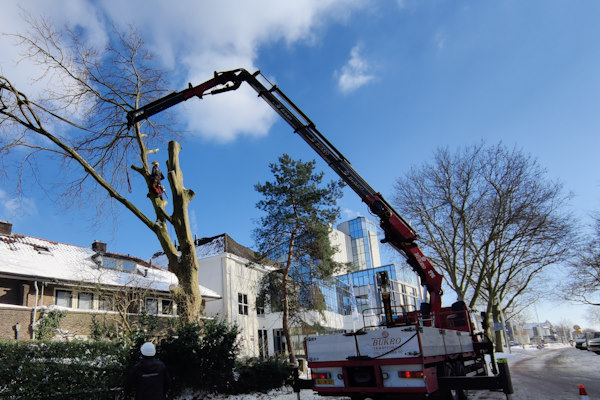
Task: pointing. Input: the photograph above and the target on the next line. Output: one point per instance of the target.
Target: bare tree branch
(491, 219)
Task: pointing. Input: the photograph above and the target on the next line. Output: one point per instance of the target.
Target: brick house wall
(17, 303)
(10, 315)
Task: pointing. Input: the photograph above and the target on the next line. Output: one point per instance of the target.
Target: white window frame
(70, 292)
(242, 303)
(260, 311)
(160, 309)
(91, 300)
(152, 299)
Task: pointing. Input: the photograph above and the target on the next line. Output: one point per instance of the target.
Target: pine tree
(300, 210)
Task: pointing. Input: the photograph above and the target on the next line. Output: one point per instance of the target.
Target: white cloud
(200, 38)
(193, 39)
(350, 214)
(33, 78)
(355, 73)
(13, 208)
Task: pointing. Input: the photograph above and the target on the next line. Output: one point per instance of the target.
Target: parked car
(581, 343)
(593, 342)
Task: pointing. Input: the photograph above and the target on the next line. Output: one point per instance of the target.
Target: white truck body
(389, 343)
(401, 362)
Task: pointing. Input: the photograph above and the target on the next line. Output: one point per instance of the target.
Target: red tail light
(321, 375)
(411, 374)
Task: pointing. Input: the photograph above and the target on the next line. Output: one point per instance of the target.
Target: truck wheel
(458, 394)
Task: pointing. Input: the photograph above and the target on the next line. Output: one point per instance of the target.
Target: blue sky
(387, 82)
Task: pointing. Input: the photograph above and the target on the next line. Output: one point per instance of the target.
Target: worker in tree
(156, 176)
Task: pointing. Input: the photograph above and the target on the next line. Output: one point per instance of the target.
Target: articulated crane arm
(397, 231)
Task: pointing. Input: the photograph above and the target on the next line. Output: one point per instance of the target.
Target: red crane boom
(397, 231)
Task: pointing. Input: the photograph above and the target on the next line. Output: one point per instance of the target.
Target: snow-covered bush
(262, 375)
(60, 370)
(201, 357)
(47, 326)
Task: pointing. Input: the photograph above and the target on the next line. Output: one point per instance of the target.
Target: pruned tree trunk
(183, 262)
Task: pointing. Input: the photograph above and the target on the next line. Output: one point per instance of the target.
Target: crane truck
(434, 352)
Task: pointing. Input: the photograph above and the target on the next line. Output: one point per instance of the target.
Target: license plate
(323, 381)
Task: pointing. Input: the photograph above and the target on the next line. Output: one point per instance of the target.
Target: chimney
(5, 228)
(99, 247)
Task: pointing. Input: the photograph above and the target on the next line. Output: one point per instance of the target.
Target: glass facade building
(361, 237)
(404, 288)
(364, 242)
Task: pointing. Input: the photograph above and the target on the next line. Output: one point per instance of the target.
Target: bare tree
(583, 283)
(80, 121)
(491, 219)
(593, 315)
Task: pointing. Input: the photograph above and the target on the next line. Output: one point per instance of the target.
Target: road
(553, 373)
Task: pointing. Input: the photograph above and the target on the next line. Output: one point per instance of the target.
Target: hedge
(200, 358)
(59, 370)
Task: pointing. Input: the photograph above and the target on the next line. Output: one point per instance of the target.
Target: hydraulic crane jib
(422, 353)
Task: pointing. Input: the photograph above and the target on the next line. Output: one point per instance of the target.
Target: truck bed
(386, 343)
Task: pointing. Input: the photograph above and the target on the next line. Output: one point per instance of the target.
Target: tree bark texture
(184, 264)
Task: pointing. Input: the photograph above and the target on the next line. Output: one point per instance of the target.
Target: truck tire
(452, 394)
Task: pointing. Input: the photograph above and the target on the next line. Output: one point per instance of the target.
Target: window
(128, 266)
(85, 301)
(242, 304)
(260, 309)
(42, 249)
(64, 298)
(405, 300)
(278, 341)
(152, 306)
(105, 303)
(166, 307)
(263, 344)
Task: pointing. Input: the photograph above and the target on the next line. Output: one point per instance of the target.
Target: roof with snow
(214, 246)
(26, 256)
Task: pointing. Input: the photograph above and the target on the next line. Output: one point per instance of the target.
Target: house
(539, 331)
(228, 268)
(88, 283)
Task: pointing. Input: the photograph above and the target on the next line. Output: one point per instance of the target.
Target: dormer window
(120, 265)
(128, 266)
(41, 249)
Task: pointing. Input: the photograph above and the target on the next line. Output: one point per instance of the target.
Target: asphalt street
(553, 373)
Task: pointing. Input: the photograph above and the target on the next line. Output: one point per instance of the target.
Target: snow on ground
(578, 363)
(286, 393)
(515, 355)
